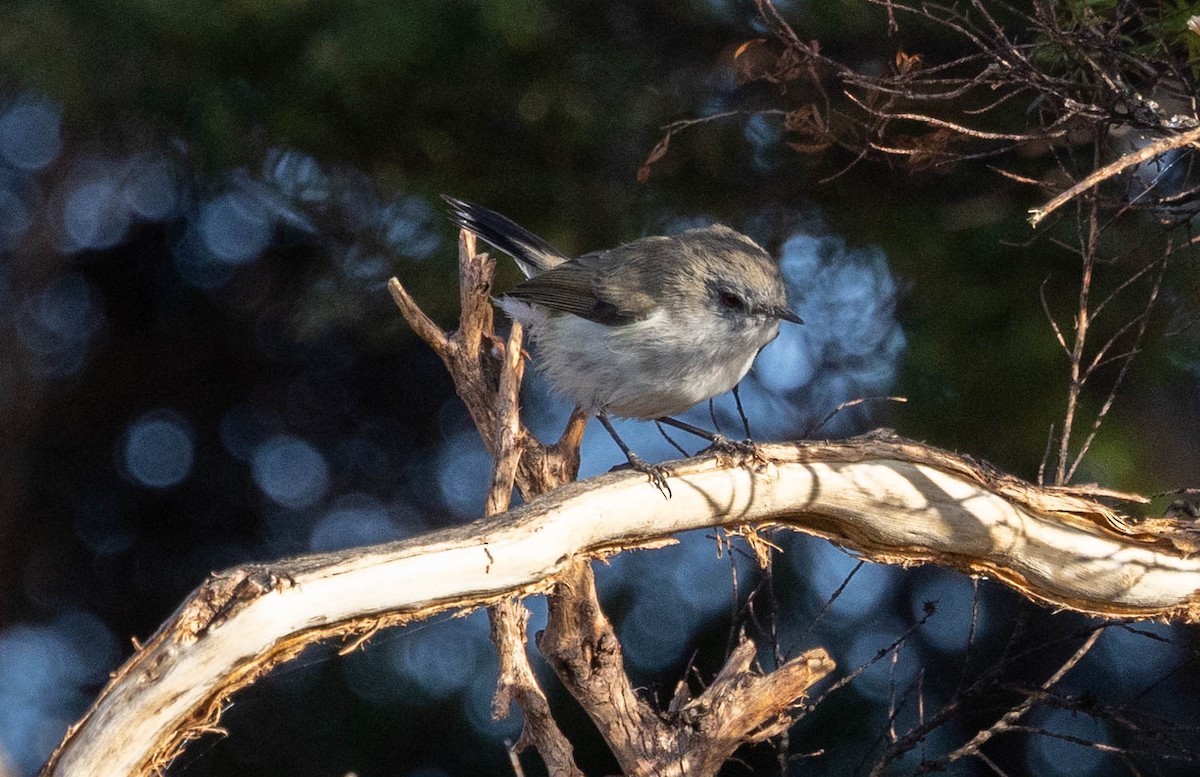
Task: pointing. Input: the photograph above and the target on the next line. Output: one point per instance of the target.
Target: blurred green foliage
(1145, 32)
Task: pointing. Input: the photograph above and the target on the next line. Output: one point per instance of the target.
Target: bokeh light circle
(290, 471)
(30, 133)
(235, 228)
(159, 449)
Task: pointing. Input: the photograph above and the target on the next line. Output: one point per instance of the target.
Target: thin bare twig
(1112, 394)
(1058, 335)
(1157, 148)
(422, 324)
(847, 405)
(1088, 250)
(1010, 718)
(1041, 473)
(959, 128)
(1101, 357)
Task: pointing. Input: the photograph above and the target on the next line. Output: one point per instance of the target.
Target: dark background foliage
(199, 365)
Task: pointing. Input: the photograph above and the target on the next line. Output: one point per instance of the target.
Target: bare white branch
(889, 499)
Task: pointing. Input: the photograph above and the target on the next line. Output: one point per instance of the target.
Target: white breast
(657, 367)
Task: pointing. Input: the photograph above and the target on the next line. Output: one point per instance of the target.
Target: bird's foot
(656, 472)
(722, 444)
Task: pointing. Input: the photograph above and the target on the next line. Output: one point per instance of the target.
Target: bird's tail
(533, 255)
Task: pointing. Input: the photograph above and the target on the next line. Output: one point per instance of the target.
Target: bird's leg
(656, 473)
(737, 398)
(719, 441)
(671, 440)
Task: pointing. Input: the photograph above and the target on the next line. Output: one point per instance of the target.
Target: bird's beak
(785, 313)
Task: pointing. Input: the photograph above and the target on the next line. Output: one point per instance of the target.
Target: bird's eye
(730, 300)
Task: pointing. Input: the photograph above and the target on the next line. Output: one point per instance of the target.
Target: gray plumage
(649, 328)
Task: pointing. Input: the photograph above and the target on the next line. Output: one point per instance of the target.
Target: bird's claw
(722, 444)
(656, 473)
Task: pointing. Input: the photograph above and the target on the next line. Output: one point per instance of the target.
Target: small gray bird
(645, 330)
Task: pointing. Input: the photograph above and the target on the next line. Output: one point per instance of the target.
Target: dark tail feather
(533, 254)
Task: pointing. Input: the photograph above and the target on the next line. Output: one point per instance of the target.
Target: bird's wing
(587, 287)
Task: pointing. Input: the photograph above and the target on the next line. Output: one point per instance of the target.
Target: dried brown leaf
(805, 119)
(908, 63)
(656, 153)
(754, 60)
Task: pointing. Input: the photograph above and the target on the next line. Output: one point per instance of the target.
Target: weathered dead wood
(892, 500)
(468, 354)
(509, 619)
(695, 736)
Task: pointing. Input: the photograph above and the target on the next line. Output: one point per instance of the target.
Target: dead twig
(509, 619)
(1009, 720)
(1116, 167)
